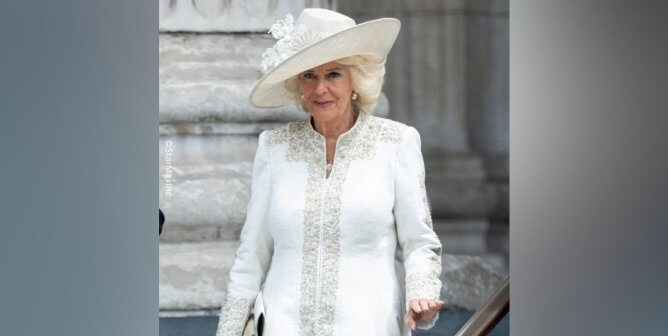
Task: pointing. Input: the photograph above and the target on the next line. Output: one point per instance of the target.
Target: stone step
(208, 78)
(463, 184)
(209, 186)
(473, 236)
(193, 277)
(229, 16)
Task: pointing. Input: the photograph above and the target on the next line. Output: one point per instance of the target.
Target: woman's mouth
(323, 103)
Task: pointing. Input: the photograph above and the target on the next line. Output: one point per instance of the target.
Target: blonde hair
(367, 75)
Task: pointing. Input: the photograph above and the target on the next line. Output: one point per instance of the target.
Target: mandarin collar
(361, 119)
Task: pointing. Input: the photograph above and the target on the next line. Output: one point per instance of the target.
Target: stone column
(488, 114)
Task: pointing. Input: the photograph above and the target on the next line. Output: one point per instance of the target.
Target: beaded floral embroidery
(319, 280)
(291, 39)
(425, 285)
(233, 316)
(427, 217)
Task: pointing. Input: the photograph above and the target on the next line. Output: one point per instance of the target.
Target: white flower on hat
(283, 28)
(291, 39)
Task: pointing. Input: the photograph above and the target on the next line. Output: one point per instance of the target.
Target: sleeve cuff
(233, 316)
(422, 286)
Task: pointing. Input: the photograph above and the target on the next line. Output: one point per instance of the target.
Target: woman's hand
(421, 309)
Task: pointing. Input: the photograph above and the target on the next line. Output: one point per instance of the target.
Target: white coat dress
(335, 256)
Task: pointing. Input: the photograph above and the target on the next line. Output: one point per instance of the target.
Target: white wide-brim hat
(317, 37)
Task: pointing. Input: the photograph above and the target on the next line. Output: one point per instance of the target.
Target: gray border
(589, 219)
(78, 247)
(79, 165)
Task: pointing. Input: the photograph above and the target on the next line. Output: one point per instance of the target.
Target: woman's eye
(334, 74)
(309, 75)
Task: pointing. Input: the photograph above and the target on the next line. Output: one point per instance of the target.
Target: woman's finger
(424, 305)
(410, 321)
(434, 307)
(415, 306)
(413, 324)
(426, 314)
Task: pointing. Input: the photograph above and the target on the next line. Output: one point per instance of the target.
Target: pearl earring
(354, 95)
(302, 97)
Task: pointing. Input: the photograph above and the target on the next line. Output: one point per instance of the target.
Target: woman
(338, 238)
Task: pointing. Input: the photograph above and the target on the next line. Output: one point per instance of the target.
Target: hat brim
(373, 38)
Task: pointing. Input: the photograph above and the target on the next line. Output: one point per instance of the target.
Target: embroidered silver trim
(423, 189)
(233, 316)
(425, 285)
(306, 145)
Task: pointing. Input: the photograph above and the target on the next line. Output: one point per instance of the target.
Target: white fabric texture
(330, 254)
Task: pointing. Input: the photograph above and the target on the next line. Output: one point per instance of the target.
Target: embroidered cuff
(422, 286)
(425, 284)
(233, 316)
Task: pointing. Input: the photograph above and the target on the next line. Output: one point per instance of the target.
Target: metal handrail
(489, 315)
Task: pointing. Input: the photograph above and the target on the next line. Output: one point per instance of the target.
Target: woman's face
(327, 91)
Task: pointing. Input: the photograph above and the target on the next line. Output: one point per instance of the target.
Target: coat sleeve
(253, 256)
(419, 243)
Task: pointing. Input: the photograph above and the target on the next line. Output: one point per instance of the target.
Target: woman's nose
(321, 86)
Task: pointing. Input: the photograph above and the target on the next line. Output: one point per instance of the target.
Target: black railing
(489, 315)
